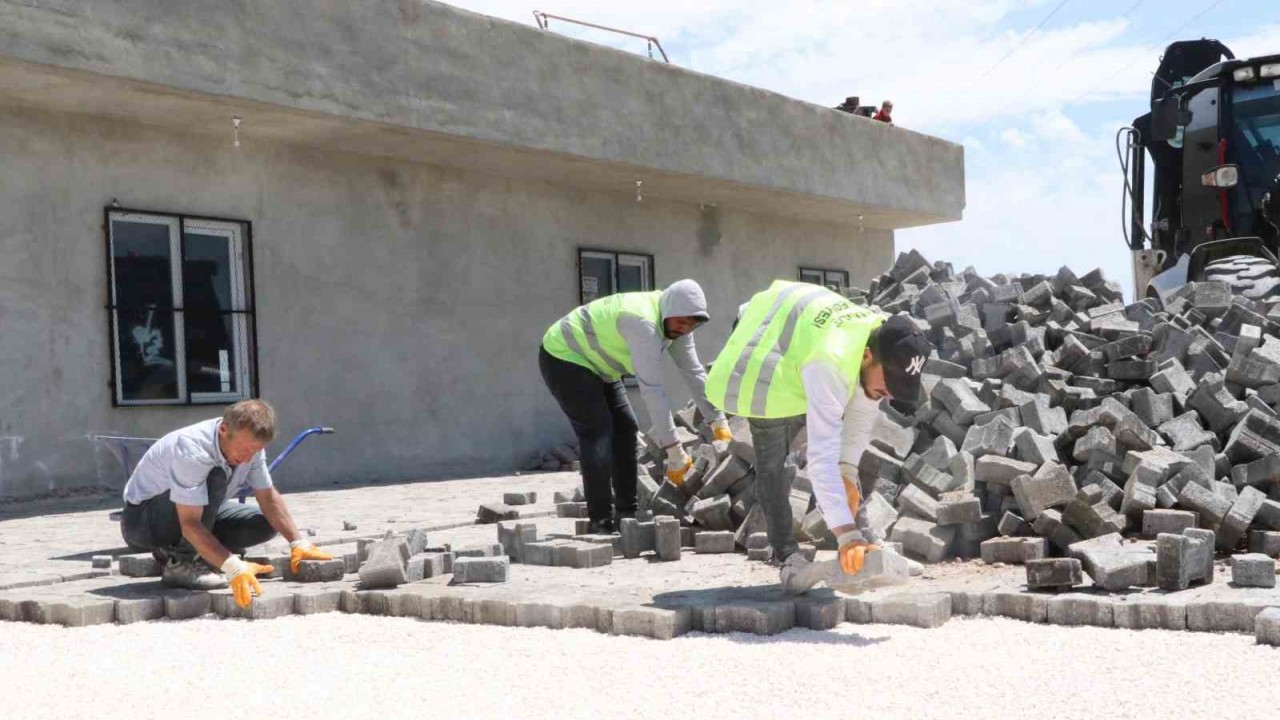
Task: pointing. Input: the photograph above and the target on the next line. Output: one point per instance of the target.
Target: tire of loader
(1248, 275)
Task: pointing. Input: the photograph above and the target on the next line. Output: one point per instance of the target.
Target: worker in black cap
(803, 356)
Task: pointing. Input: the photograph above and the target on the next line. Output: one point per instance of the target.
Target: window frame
(616, 256)
(244, 327)
(809, 269)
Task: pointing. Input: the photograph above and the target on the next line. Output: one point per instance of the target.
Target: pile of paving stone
(559, 458)
(1057, 420)
(716, 502)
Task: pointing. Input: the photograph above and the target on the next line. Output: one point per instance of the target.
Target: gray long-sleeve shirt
(647, 344)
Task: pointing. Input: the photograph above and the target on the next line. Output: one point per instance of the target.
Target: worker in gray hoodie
(584, 357)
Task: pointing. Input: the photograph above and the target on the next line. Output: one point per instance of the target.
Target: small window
(180, 308)
(603, 273)
(834, 279)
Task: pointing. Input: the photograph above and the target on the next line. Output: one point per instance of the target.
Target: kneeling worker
(178, 503)
(802, 356)
(583, 359)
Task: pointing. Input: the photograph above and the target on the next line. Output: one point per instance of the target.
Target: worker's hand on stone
(720, 430)
(853, 552)
(243, 577)
(678, 464)
(300, 550)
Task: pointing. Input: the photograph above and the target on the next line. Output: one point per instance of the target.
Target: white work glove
(720, 430)
(678, 464)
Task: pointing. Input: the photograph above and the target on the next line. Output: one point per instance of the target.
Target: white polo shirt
(179, 463)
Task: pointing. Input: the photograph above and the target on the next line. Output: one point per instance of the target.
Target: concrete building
(380, 244)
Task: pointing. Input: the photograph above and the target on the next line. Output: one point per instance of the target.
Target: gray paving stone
(1056, 573)
(274, 602)
(966, 602)
(321, 570)
(1211, 507)
(1266, 627)
(139, 565)
(1081, 609)
(819, 610)
(1253, 570)
(186, 604)
(1051, 486)
(1149, 613)
(314, 602)
(667, 538)
(386, 564)
(78, 611)
(637, 537)
(524, 497)
(1238, 614)
(514, 536)
(483, 569)
(1233, 527)
(857, 610)
(495, 512)
(922, 538)
(1266, 542)
(926, 610)
(652, 622)
(756, 617)
(713, 542)
(1027, 607)
(140, 608)
(1155, 522)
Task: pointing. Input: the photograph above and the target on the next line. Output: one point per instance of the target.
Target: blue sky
(1042, 180)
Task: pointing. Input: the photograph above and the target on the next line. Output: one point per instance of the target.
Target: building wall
(401, 303)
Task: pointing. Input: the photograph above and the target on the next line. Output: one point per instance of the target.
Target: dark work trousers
(772, 440)
(153, 525)
(602, 419)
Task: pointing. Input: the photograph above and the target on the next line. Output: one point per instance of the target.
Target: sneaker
(192, 575)
(602, 527)
(798, 575)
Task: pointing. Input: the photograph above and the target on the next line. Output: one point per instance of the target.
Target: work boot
(601, 527)
(799, 575)
(620, 515)
(191, 574)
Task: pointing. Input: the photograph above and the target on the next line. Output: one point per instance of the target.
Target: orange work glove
(853, 552)
(720, 430)
(300, 550)
(854, 493)
(678, 464)
(244, 579)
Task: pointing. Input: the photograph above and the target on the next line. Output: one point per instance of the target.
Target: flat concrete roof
(428, 82)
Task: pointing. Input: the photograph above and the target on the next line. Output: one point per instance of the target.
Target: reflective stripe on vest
(760, 388)
(593, 341)
(589, 336)
(782, 330)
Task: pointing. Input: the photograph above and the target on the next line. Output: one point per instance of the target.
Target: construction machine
(1213, 138)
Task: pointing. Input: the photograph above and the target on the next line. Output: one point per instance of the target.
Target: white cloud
(1015, 138)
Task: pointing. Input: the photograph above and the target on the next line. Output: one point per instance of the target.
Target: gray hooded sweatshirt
(647, 343)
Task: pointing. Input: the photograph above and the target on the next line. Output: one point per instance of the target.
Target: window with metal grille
(834, 279)
(180, 309)
(604, 272)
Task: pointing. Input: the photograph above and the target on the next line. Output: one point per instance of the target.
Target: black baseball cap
(902, 349)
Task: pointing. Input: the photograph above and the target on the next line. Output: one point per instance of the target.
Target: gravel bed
(355, 666)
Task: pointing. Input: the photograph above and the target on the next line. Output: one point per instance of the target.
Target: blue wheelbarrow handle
(244, 492)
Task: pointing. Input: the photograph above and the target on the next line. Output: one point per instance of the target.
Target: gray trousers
(772, 439)
(152, 525)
